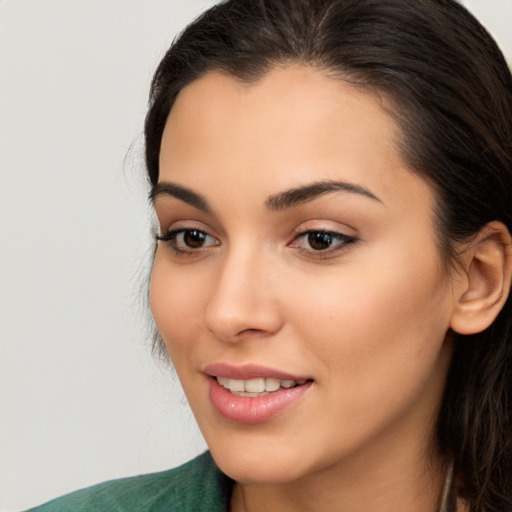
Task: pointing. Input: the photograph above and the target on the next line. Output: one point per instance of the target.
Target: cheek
(377, 346)
(175, 300)
(384, 318)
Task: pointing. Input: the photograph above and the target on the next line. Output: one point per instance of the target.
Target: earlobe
(487, 265)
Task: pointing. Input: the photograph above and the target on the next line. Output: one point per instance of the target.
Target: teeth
(255, 387)
(223, 381)
(272, 384)
(236, 385)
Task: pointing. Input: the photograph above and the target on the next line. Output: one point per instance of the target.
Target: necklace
(446, 489)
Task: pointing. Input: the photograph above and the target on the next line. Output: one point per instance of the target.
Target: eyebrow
(184, 194)
(309, 192)
(276, 202)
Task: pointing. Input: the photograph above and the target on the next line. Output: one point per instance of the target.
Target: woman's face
(298, 286)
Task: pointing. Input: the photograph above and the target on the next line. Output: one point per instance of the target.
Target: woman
(332, 181)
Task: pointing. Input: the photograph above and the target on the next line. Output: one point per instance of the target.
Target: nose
(243, 301)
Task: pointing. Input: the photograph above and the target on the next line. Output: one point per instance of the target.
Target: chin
(264, 466)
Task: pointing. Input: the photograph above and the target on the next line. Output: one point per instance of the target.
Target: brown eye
(188, 240)
(194, 238)
(320, 240)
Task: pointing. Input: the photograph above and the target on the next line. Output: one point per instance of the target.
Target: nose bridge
(242, 299)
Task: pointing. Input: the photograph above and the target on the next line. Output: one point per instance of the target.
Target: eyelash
(180, 247)
(342, 242)
(171, 237)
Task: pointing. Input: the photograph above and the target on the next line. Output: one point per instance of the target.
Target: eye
(187, 240)
(322, 241)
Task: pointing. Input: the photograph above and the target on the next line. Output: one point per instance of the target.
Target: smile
(253, 394)
(257, 387)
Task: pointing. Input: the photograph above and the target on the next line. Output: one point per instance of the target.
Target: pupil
(194, 239)
(319, 240)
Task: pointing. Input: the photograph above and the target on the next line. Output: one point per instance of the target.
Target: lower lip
(244, 409)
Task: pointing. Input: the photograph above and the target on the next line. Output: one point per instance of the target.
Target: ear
(485, 283)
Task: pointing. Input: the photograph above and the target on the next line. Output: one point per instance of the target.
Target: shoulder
(197, 485)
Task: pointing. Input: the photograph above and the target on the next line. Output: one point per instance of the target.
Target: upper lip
(248, 371)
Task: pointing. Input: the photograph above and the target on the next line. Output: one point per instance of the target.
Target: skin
(367, 321)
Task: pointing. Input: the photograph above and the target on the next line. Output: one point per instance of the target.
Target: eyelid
(173, 238)
(347, 239)
(327, 226)
(171, 233)
(172, 223)
(330, 253)
(342, 237)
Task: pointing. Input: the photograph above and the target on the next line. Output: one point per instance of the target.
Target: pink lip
(248, 371)
(250, 410)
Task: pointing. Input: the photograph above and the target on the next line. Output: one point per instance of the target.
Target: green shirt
(197, 486)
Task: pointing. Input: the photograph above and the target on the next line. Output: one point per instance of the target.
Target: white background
(81, 399)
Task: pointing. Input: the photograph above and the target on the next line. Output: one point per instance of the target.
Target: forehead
(293, 125)
(289, 102)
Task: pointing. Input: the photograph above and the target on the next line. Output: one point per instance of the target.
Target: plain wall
(81, 399)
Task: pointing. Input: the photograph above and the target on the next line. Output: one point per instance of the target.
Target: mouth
(258, 387)
(252, 394)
